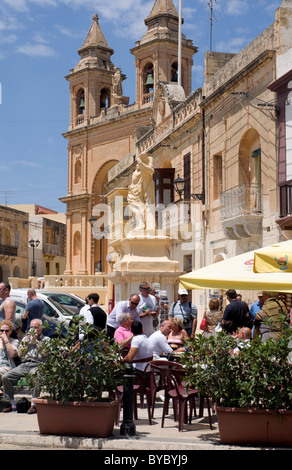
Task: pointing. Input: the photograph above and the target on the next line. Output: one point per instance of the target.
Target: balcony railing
(241, 200)
(50, 249)
(286, 199)
(8, 250)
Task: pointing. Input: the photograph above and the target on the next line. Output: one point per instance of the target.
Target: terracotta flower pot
(93, 419)
(261, 427)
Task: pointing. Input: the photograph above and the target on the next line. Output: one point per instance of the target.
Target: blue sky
(39, 40)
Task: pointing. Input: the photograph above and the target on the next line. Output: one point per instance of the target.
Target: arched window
(77, 244)
(174, 72)
(148, 82)
(80, 101)
(105, 98)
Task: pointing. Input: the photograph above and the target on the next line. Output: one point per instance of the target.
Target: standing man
(124, 306)
(147, 308)
(99, 316)
(7, 307)
(272, 316)
(185, 310)
(237, 311)
(254, 309)
(34, 308)
(257, 305)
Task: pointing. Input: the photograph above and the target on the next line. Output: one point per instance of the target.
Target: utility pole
(212, 19)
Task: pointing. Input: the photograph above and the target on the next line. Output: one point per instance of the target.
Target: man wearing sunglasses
(8, 347)
(124, 306)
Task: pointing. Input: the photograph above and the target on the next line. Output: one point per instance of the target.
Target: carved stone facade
(221, 139)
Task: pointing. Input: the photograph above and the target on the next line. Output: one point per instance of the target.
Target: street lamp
(180, 186)
(33, 244)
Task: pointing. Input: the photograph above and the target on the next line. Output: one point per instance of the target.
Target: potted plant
(252, 391)
(77, 381)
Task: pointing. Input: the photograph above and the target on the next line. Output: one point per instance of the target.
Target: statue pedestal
(143, 259)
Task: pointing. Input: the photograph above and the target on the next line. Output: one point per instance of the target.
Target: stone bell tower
(95, 83)
(157, 53)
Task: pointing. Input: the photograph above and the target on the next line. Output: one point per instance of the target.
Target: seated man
(244, 337)
(159, 341)
(28, 353)
(123, 335)
(141, 348)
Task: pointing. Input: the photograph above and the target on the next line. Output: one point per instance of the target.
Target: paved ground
(20, 431)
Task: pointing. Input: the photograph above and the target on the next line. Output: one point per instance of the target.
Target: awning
(236, 273)
(276, 258)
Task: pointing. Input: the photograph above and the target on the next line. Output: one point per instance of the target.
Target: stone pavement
(17, 429)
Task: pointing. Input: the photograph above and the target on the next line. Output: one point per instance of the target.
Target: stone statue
(117, 84)
(141, 190)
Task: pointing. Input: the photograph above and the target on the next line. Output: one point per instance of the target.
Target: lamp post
(128, 427)
(179, 186)
(33, 244)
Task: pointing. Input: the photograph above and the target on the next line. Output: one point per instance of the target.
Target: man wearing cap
(185, 310)
(257, 305)
(254, 309)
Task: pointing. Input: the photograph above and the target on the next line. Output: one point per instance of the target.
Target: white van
(52, 310)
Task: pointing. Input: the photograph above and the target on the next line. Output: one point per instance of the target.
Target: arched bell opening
(148, 83)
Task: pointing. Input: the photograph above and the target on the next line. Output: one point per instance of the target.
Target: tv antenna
(5, 194)
(212, 19)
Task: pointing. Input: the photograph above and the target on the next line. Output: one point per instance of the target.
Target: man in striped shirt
(272, 316)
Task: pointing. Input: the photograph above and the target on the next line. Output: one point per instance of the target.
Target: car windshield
(64, 310)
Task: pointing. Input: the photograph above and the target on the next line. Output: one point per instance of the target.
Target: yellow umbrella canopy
(276, 258)
(236, 273)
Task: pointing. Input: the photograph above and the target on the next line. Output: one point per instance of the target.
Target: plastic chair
(158, 379)
(185, 395)
(141, 386)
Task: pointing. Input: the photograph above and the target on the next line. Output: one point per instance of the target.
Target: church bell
(149, 81)
(81, 105)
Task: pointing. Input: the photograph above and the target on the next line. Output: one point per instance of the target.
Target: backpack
(248, 320)
(23, 405)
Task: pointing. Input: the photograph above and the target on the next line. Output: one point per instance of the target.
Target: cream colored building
(45, 241)
(221, 139)
(13, 243)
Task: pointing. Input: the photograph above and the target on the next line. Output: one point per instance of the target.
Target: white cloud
(8, 38)
(36, 50)
(67, 32)
(26, 163)
(18, 5)
(236, 7)
(233, 46)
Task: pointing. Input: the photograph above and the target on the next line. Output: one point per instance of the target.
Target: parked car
(52, 310)
(49, 331)
(70, 301)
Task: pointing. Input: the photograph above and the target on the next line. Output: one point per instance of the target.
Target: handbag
(203, 325)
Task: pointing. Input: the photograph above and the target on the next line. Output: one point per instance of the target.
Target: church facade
(213, 154)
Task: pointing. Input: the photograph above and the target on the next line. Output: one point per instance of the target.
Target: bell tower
(92, 80)
(156, 55)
